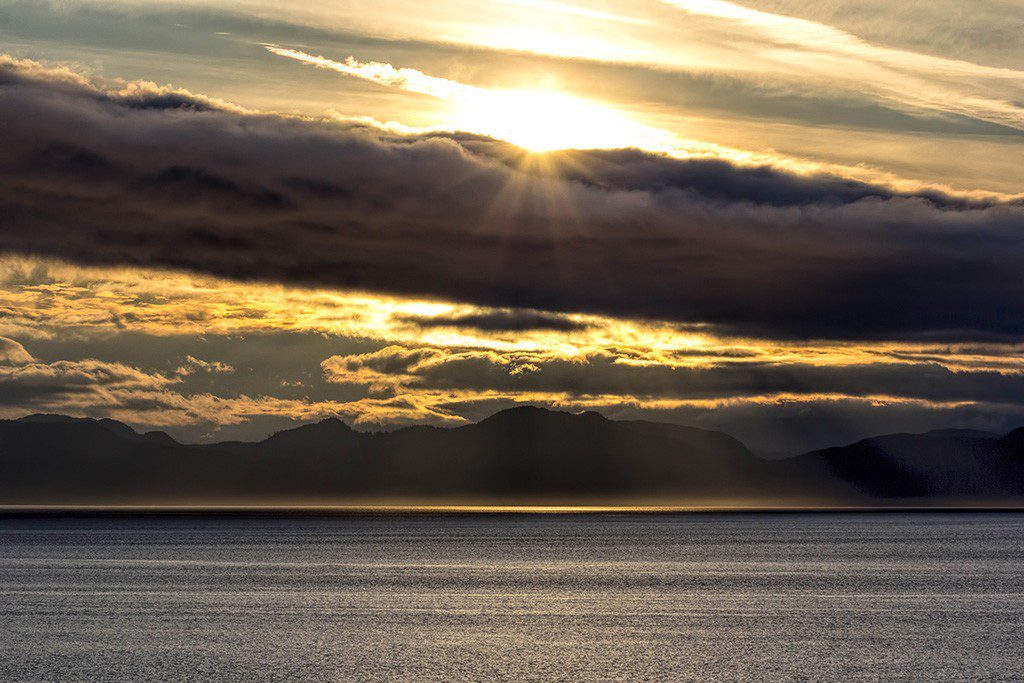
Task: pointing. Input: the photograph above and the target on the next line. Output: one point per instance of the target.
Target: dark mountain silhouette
(528, 455)
(955, 464)
(118, 428)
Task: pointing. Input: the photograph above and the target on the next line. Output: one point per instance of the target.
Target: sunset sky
(798, 222)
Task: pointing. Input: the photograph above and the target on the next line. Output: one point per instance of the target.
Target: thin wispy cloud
(912, 78)
(812, 34)
(411, 80)
(576, 11)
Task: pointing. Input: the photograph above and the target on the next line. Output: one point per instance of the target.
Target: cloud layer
(150, 176)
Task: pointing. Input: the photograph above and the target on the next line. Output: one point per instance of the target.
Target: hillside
(517, 455)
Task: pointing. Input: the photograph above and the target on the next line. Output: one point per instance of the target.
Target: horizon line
(526, 510)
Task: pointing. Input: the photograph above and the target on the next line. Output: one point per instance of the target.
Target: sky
(798, 222)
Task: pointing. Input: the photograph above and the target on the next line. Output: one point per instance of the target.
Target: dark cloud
(605, 373)
(507, 320)
(718, 180)
(28, 383)
(138, 176)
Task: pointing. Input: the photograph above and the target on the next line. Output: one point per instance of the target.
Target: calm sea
(515, 598)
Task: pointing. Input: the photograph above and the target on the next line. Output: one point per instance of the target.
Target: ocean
(573, 597)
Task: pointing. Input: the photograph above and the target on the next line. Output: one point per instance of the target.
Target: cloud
(14, 353)
(773, 407)
(577, 11)
(399, 369)
(501, 320)
(781, 405)
(380, 73)
(96, 388)
(274, 338)
(74, 385)
(129, 176)
(193, 365)
(913, 78)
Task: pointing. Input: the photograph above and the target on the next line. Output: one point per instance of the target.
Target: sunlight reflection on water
(627, 597)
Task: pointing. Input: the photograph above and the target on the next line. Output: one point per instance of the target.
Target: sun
(544, 120)
(539, 120)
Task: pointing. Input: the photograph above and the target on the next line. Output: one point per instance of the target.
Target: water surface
(537, 597)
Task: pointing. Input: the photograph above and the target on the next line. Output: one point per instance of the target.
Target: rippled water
(630, 597)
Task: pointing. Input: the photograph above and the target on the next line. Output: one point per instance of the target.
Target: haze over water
(537, 597)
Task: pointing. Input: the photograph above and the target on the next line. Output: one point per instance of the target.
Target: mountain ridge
(520, 455)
